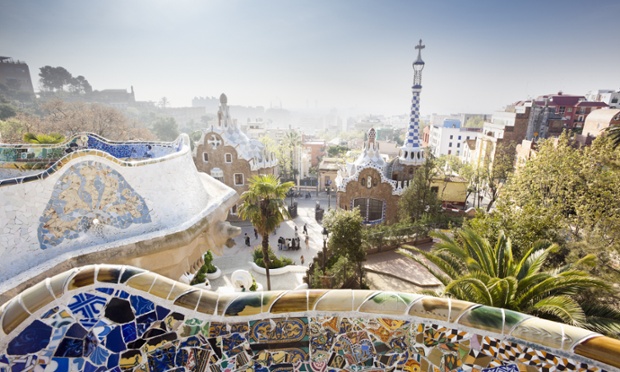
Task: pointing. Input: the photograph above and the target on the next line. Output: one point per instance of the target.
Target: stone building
(230, 156)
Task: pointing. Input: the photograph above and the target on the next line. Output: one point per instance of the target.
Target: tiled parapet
(30, 162)
(105, 317)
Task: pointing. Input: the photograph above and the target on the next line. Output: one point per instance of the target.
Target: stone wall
(100, 318)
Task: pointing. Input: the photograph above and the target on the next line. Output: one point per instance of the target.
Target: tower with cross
(411, 153)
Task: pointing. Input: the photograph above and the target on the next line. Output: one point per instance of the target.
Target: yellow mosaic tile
(314, 295)
(541, 331)
(384, 303)
(336, 301)
(574, 335)
(245, 304)
(431, 307)
(457, 308)
(269, 298)
(189, 299)
(85, 277)
(36, 297)
(142, 282)
(14, 315)
(359, 297)
(290, 302)
(58, 282)
(604, 349)
(208, 303)
(108, 274)
(178, 289)
(162, 287)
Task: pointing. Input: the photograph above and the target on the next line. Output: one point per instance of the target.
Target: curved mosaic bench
(106, 317)
(40, 161)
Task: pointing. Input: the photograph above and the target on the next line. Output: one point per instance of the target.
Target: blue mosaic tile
(31, 340)
(141, 305)
(106, 290)
(114, 341)
(70, 348)
(129, 332)
(99, 356)
(162, 312)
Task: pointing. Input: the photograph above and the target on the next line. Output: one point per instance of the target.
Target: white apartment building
(448, 138)
(609, 96)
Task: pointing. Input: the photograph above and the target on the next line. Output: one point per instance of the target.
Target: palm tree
(614, 133)
(43, 138)
(263, 204)
(291, 141)
(472, 269)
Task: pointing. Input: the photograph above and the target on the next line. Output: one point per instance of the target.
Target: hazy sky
(480, 55)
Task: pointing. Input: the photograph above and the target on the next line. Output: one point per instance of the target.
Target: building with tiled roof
(227, 154)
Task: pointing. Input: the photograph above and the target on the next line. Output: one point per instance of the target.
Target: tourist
(247, 239)
(255, 234)
(302, 259)
(306, 228)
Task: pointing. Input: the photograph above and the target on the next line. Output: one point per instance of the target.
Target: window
(450, 144)
(370, 209)
(218, 174)
(449, 152)
(451, 136)
(458, 153)
(363, 181)
(459, 138)
(228, 158)
(205, 157)
(233, 210)
(435, 189)
(570, 109)
(458, 145)
(562, 110)
(238, 179)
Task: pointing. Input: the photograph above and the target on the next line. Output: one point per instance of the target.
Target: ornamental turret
(411, 152)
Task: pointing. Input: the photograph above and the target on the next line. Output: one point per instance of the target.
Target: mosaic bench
(105, 317)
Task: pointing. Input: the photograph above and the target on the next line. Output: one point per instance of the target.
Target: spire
(411, 152)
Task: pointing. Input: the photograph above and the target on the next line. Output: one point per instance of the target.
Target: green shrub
(276, 262)
(208, 257)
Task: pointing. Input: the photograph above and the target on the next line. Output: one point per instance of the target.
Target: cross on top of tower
(420, 45)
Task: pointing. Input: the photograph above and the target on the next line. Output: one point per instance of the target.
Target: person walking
(307, 241)
(247, 239)
(306, 228)
(302, 259)
(255, 234)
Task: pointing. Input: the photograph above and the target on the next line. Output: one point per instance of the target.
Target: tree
(291, 141)
(68, 119)
(419, 200)
(336, 151)
(7, 111)
(263, 205)
(496, 172)
(163, 102)
(80, 85)
(473, 269)
(54, 79)
(166, 129)
(345, 239)
(474, 122)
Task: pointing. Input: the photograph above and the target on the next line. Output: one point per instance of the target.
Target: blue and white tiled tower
(411, 153)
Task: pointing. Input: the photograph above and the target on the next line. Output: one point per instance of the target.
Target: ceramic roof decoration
(249, 149)
(106, 317)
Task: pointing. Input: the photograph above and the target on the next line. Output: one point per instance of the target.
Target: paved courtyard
(387, 270)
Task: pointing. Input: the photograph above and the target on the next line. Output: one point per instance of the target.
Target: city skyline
(480, 56)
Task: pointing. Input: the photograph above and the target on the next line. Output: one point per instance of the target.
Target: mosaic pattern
(88, 194)
(122, 318)
(26, 162)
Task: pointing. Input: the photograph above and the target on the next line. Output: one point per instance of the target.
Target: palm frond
(561, 307)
